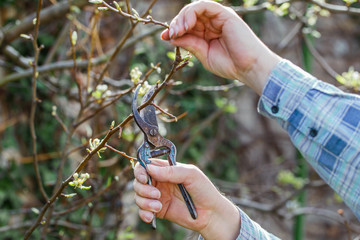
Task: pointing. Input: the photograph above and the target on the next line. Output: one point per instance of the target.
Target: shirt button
(313, 132)
(274, 109)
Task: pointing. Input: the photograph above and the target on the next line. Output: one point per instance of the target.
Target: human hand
(223, 43)
(217, 218)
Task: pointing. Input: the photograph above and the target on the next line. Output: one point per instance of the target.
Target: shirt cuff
(286, 86)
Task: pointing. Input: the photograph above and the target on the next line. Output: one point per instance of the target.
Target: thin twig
(173, 120)
(60, 39)
(35, 100)
(68, 64)
(135, 17)
(62, 124)
(320, 59)
(119, 47)
(348, 230)
(117, 97)
(16, 57)
(92, 45)
(120, 152)
(164, 112)
(74, 69)
(49, 14)
(91, 198)
(333, 8)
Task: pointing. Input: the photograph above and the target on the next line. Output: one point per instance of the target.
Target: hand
(217, 218)
(223, 43)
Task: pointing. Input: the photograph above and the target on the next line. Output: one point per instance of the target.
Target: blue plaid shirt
(323, 123)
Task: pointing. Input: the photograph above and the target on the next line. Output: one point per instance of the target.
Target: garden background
(67, 72)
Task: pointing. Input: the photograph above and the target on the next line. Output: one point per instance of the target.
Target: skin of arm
(218, 218)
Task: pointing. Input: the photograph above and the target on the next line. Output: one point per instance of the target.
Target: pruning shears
(155, 145)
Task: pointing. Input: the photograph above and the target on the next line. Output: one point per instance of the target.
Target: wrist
(224, 223)
(261, 70)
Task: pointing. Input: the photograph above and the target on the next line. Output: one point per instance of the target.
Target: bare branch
(120, 152)
(34, 102)
(16, 57)
(47, 15)
(320, 59)
(330, 7)
(136, 18)
(64, 65)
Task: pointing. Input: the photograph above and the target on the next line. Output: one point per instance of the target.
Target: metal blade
(148, 113)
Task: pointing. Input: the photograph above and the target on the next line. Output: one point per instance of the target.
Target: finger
(146, 191)
(140, 174)
(196, 45)
(165, 35)
(148, 204)
(191, 14)
(175, 174)
(146, 216)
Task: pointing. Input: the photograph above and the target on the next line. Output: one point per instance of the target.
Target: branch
(34, 102)
(120, 152)
(64, 65)
(319, 58)
(333, 8)
(336, 8)
(258, 8)
(120, 45)
(135, 17)
(93, 197)
(196, 130)
(47, 15)
(16, 57)
(318, 212)
(74, 69)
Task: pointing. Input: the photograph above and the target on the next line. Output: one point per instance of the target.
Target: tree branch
(64, 65)
(333, 8)
(47, 15)
(34, 102)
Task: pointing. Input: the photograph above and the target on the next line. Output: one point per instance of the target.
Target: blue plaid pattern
(323, 123)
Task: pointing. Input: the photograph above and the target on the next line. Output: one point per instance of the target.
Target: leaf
(95, 1)
(171, 55)
(250, 3)
(74, 38)
(25, 36)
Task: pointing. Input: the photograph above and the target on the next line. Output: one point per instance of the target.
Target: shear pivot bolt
(153, 132)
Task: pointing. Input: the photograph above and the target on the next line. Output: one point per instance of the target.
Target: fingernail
(152, 168)
(143, 178)
(155, 206)
(171, 32)
(148, 216)
(176, 31)
(155, 194)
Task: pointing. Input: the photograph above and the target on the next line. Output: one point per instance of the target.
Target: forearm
(224, 222)
(241, 229)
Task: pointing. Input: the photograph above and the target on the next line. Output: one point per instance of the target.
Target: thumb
(173, 174)
(195, 45)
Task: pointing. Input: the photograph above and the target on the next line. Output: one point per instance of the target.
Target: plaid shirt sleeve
(323, 122)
